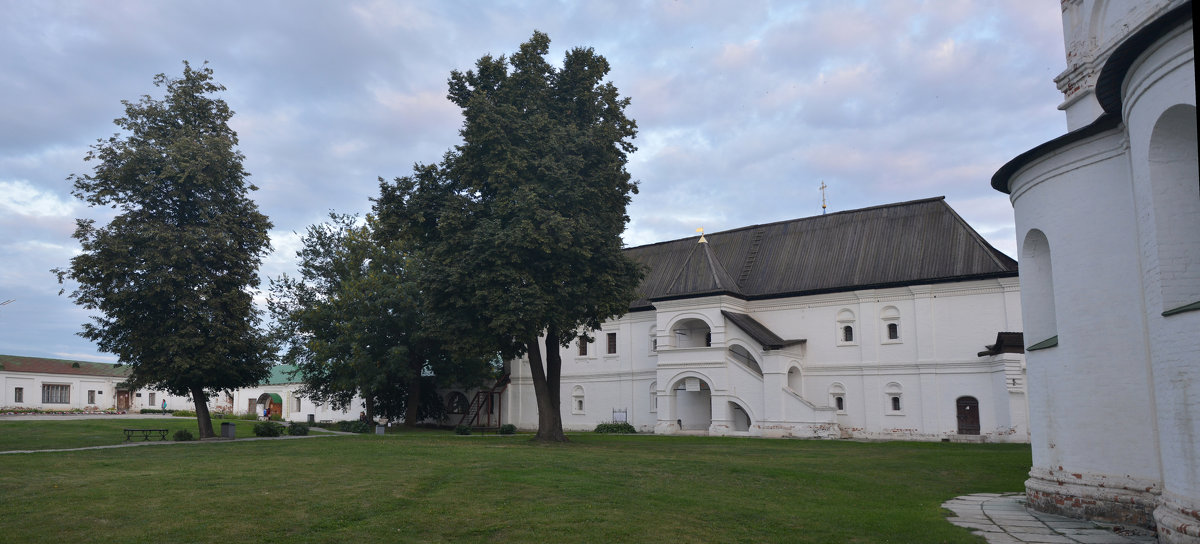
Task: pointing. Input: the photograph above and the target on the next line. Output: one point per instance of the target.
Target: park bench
(146, 433)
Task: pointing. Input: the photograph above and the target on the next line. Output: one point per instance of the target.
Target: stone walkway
(1004, 519)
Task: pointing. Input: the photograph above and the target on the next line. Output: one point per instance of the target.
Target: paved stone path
(1004, 519)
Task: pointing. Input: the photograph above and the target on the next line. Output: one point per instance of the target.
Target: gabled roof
(702, 274)
(16, 363)
(759, 332)
(922, 241)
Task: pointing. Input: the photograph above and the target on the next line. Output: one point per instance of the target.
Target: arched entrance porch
(270, 403)
(690, 406)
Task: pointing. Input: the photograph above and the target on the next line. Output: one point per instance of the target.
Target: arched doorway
(693, 404)
(271, 402)
(968, 415)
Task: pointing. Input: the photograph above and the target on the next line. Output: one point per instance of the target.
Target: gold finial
(702, 240)
(823, 187)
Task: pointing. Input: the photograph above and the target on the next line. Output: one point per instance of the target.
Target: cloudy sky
(744, 109)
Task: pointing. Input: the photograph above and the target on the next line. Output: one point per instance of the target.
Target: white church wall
(1107, 378)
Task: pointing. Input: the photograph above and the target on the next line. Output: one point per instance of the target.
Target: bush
(615, 428)
(152, 411)
(354, 426)
(182, 413)
(296, 428)
(183, 435)
(462, 429)
(508, 428)
(267, 428)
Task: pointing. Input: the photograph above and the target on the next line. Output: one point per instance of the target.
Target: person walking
(164, 406)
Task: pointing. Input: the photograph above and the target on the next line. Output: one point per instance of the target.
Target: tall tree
(353, 324)
(171, 274)
(520, 226)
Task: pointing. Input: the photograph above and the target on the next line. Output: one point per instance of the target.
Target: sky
(743, 109)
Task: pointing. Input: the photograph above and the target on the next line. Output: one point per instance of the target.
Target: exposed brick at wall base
(1177, 523)
(1093, 498)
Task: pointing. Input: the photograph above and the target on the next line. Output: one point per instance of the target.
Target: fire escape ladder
(486, 404)
(751, 256)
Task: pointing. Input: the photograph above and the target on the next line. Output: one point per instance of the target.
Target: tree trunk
(549, 418)
(200, 399)
(412, 405)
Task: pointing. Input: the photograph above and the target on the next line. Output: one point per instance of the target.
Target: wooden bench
(146, 433)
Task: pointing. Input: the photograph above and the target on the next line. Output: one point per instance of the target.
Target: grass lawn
(439, 487)
(79, 433)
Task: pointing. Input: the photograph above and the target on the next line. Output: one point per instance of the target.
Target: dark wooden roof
(922, 241)
(15, 363)
(1006, 342)
(759, 332)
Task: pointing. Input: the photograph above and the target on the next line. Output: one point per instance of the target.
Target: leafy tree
(519, 227)
(353, 323)
(171, 274)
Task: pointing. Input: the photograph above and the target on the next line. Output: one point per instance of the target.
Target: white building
(866, 323)
(1108, 224)
(61, 385)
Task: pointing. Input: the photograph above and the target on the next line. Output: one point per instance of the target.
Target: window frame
(19, 395)
(611, 343)
(53, 391)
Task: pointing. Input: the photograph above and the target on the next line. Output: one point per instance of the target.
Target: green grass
(436, 487)
(81, 433)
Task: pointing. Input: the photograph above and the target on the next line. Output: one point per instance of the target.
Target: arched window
(741, 355)
(457, 403)
(653, 397)
(837, 396)
(1037, 292)
(577, 400)
(795, 380)
(1176, 201)
(893, 392)
(890, 318)
(845, 328)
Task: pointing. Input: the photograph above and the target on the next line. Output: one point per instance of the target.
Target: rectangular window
(612, 343)
(582, 346)
(19, 395)
(56, 394)
(296, 404)
(152, 399)
(91, 396)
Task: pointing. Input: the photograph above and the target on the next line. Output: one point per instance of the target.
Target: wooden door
(122, 400)
(968, 415)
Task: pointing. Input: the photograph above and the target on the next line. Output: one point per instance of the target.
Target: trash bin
(228, 430)
(312, 419)
(380, 429)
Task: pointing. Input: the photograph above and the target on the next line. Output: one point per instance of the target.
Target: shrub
(354, 426)
(615, 428)
(182, 435)
(462, 429)
(152, 411)
(267, 428)
(182, 413)
(296, 428)
(508, 428)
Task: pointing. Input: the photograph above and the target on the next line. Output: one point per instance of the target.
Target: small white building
(889, 322)
(61, 385)
(1108, 227)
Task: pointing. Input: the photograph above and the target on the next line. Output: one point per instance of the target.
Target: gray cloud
(743, 109)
